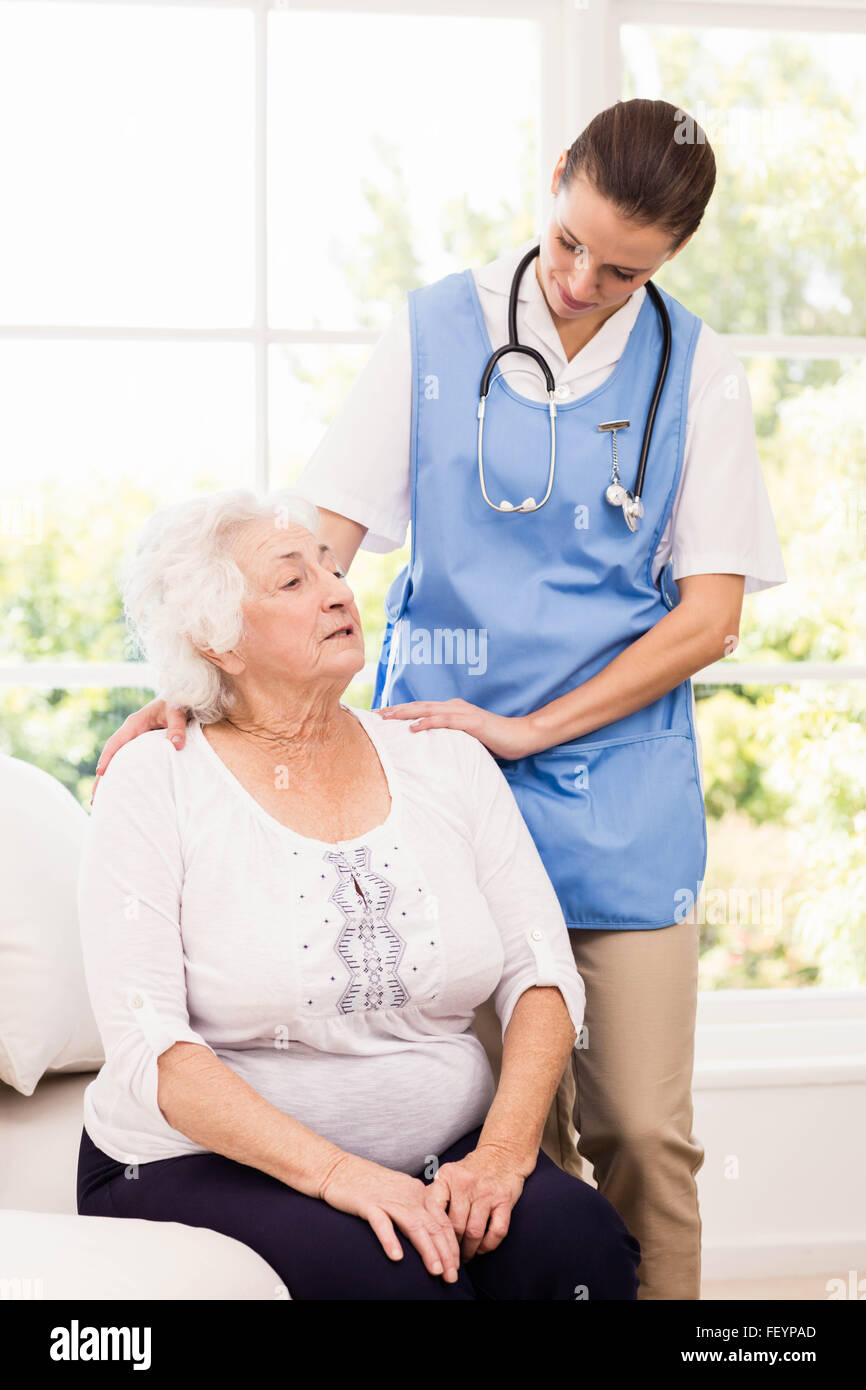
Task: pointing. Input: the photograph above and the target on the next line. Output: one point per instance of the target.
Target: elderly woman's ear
(230, 662)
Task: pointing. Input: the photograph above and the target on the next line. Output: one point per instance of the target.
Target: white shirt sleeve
(129, 893)
(520, 895)
(722, 521)
(362, 467)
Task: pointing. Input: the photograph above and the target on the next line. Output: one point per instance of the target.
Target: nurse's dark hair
(651, 160)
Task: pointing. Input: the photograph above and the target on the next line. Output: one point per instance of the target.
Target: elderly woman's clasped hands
(464, 1211)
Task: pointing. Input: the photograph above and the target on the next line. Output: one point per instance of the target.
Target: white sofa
(49, 1052)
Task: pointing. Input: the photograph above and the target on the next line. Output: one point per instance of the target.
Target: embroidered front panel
(367, 933)
(368, 944)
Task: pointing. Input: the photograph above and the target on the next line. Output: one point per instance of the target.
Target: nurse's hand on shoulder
(156, 715)
(506, 736)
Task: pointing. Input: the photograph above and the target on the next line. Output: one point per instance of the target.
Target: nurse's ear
(557, 173)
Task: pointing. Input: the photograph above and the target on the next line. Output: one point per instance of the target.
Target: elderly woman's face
(297, 607)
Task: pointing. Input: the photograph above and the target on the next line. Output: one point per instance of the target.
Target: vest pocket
(398, 594)
(620, 826)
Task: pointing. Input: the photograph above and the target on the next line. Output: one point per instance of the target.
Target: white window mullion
(69, 675)
(260, 253)
(587, 72)
(728, 672)
(791, 15)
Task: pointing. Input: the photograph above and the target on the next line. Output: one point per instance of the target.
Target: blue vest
(511, 610)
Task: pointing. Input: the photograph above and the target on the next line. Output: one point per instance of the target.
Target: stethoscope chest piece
(616, 494)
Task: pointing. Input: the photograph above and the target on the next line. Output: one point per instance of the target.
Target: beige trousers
(625, 1099)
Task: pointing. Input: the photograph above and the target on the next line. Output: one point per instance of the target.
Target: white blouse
(721, 521)
(339, 980)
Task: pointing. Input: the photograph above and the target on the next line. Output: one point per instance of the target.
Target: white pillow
(46, 1022)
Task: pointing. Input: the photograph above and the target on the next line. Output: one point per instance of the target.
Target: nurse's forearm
(343, 535)
(677, 646)
(535, 1049)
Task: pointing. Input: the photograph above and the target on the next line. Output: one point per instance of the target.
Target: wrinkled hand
(386, 1198)
(506, 736)
(156, 715)
(480, 1192)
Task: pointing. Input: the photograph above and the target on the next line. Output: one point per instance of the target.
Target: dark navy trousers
(565, 1241)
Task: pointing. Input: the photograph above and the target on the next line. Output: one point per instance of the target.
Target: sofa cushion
(48, 1251)
(39, 1139)
(51, 1256)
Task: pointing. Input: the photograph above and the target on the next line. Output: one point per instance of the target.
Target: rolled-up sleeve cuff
(545, 969)
(758, 574)
(159, 1031)
(384, 533)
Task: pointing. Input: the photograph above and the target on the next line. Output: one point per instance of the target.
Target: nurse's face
(591, 257)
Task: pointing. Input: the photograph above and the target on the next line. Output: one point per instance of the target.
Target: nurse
(563, 635)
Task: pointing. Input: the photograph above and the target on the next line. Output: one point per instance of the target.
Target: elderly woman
(287, 926)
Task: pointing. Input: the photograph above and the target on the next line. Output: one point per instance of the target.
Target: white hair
(182, 589)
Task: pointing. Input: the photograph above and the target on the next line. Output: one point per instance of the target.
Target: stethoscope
(615, 493)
